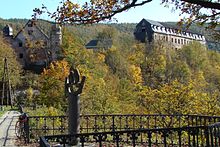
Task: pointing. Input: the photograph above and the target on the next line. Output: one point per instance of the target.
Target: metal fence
(53, 125)
(197, 136)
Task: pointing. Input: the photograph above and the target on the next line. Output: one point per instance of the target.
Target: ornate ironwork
(52, 125)
(143, 137)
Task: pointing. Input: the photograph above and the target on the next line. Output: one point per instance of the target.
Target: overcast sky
(24, 9)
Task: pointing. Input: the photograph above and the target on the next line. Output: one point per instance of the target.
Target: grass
(5, 108)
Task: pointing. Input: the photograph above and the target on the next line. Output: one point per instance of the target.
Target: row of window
(20, 44)
(173, 40)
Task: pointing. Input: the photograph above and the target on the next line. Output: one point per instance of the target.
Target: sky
(24, 9)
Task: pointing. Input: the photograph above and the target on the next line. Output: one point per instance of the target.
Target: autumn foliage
(132, 78)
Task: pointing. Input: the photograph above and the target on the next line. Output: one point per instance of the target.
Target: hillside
(130, 77)
(88, 32)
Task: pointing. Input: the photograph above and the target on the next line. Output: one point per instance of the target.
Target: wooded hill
(130, 77)
(90, 31)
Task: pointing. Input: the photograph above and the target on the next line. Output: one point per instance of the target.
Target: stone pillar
(73, 88)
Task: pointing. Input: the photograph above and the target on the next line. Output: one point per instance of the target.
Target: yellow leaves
(113, 49)
(136, 74)
(58, 70)
(101, 57)
(52, 111)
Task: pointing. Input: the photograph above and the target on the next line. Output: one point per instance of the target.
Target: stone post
(73, 88)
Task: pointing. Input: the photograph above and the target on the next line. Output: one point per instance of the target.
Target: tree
(14, 67)
(52, 84)
(201, 11)
(97, 10)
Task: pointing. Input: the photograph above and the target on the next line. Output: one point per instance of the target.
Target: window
(181, 41)
(178, 41)
(20, 55)
(143, 29)
(30, 25)
(20, 44)
(30, 32)
(171, 39)
(175, 40)
(166, 38)
(45, 43)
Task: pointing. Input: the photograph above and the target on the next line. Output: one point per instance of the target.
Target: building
(34, 48)
(147, 31)
(97, 44)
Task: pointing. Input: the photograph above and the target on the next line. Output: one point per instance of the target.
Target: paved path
(7, 129)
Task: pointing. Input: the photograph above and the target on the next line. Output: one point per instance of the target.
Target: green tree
(195, 55)
(51, 85)
(14, 67)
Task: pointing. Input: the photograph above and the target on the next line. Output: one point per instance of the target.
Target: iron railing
(197, 136)
(53, 125)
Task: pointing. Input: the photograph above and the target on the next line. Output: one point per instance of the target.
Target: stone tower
(8, 31)
(55, 41)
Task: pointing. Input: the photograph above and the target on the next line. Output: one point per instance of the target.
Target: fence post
(27, 129)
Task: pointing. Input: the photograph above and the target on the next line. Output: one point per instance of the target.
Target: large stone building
(148, 31)
(34, 48)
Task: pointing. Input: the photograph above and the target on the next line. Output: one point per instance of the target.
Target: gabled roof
(153, 22)
(32, 21)
(171, 26)
(97, 44)
(91, 44)
(182, 28)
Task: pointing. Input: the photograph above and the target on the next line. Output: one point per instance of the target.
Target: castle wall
(36, 52)
(33, 47)
(56, 41)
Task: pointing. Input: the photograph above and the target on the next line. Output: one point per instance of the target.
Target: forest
(128, 78)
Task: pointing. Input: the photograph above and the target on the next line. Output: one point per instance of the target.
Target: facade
(148, 31)
(34, 48)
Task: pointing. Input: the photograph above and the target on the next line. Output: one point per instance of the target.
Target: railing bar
(179, 135)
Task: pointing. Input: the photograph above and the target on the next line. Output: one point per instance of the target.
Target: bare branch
(204, 4)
